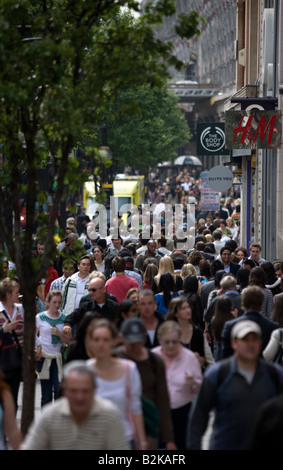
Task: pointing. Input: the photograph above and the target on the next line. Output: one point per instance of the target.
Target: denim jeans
(50, 388)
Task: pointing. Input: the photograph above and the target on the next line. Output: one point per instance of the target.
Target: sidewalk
(37, 407)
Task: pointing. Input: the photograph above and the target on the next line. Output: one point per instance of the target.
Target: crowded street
(141, 242)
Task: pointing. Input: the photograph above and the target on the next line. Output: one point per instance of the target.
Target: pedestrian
(154, 386)
(78, 346)
(117, 380)
(147, 313)
(120, 283)
(98, 254)
(150, 252)
(149, 274)
(128, 308)
(49, 341)
(68, 269)
(183, 374)
(235, 388)
(252, 299)
(166, 292)
(166, 265)
(255, 253)
(98, 302)
(273, 283)
(76, 286)
(11, 335)
(243, 276)
(258, 278)
(268, 427)
(8, 423)
(190, 291)
(225, 258)
(80, 419)
(275, 343)
(192, 337)
(224, 311)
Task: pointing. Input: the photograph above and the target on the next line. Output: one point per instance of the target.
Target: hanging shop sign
(253, 129)
(211, 139)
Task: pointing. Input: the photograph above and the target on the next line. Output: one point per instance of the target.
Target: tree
(145, 126)
(60, 62)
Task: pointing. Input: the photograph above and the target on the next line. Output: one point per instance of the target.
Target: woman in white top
(49, 341)
(117, 379)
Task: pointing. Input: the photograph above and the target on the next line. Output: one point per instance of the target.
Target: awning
(187, 160)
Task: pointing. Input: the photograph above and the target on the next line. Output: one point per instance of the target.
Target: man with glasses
(97, 302)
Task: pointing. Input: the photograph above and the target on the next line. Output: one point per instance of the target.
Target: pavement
(37, 408)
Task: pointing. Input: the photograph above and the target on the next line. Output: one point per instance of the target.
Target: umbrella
(188, 160)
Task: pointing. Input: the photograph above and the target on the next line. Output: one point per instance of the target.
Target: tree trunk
(29, 364)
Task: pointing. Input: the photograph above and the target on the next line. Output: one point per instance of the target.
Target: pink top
(119, 286)
(180, 391)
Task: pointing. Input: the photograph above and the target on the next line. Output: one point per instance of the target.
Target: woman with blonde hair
(187, 270)
(11, 334)
(231, 224)
(166, 265)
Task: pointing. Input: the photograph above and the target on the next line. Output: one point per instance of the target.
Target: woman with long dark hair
(190, 291)
(224, 311)
(258, 278)
(166, 291)
(273, 283)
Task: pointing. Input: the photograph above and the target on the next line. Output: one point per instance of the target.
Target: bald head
(97, 289)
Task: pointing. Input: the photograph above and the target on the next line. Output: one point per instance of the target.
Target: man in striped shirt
(68, 268)
(79, 420)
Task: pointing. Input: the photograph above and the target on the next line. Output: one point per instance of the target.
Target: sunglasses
(94, 289)
(169, 341)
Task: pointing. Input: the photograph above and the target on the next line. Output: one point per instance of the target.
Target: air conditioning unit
(268, 50)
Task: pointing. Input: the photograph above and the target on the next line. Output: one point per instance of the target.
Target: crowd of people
(138, 342)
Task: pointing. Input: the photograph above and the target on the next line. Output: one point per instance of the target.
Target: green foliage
(145, 126)
(61, 64)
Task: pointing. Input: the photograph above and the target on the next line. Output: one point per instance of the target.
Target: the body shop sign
(211, 139)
